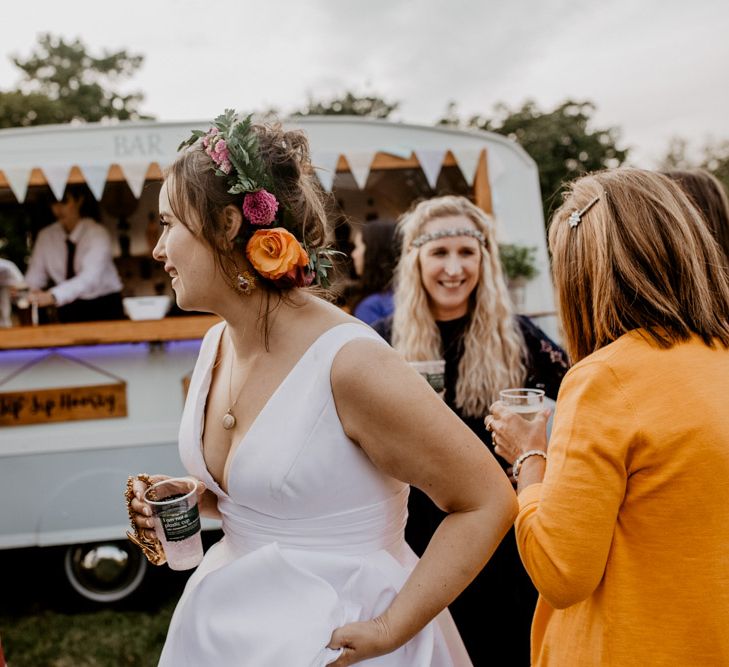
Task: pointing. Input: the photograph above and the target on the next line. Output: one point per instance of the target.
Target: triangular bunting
(165, 163)
(18, 178)
(325, 166)
(431, 161)
(56, 177)
(135, 173)
(359, 165)
(467, 162)
(403, 152)
(95, 176)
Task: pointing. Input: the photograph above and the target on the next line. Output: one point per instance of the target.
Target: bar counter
(99, 333)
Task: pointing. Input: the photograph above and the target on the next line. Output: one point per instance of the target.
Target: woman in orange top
(624, 524)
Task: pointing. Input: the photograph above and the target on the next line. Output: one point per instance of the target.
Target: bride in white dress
(305, 430)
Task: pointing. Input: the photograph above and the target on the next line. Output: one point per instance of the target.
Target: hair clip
(576, 216)
(448, 233)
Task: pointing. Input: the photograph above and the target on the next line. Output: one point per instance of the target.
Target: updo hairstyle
(198, 196)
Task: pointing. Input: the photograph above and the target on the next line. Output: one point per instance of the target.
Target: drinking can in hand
(176, 519)
(523, 401)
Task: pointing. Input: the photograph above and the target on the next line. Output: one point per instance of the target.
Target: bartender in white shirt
(74, 256)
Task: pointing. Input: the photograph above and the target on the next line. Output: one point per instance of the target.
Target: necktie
(71, 250)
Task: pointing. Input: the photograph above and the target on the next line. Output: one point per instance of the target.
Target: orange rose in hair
(276, 253)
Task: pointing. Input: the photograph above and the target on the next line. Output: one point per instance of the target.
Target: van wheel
(105, 572)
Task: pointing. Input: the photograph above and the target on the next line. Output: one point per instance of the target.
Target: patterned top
(546, 362)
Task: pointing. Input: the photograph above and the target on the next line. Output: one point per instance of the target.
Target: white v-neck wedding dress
(313, 533)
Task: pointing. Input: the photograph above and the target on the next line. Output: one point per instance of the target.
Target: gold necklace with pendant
(229, 420)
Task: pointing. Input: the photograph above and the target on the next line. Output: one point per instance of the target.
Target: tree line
(62, 82)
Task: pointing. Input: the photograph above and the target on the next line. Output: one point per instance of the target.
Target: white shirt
(96, 274)
(10, 276)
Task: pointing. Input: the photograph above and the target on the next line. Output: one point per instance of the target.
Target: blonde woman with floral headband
(624, 519)
(305, 430)
(451, 302)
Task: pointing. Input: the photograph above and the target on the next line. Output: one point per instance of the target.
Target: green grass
(89, 639)
(43, 623)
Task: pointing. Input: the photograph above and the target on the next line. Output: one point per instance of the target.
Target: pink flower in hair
(260, 207)
(209, 136)
(217, 148)
(221, 156)
(299, 276)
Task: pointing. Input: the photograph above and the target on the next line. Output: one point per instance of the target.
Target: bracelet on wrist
(516, 468)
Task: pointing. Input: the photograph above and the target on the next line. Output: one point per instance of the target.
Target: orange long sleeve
(627, 538)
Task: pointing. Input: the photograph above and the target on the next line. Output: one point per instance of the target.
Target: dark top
(494, 613)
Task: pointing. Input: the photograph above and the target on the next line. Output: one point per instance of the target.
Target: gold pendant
(228, 421)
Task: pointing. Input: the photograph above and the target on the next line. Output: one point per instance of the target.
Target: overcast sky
(654, 68)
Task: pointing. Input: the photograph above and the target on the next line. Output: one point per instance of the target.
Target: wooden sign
(41, 406)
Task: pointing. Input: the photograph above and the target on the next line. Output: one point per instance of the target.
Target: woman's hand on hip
(361, 641)
(512, 434)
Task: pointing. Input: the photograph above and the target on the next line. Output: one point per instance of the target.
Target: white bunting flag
(56, 177)
(135, 173)
(431, 162)
(403, 152)
(18, 178)
(95, 175)
(359, 165)
(496, 165)
(325, 166)
(467, 162)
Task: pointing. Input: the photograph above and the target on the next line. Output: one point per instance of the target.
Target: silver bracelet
(523, 457)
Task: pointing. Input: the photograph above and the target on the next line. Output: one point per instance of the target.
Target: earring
(246, 282)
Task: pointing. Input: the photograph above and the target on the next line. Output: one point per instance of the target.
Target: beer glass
(523, 401)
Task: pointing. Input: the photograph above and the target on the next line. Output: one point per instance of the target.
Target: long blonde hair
(494, 351)
(640, 258)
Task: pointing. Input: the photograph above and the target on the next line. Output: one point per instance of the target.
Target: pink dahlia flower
(260, 207)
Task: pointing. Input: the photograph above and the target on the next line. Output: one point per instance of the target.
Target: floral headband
(448, 233)
(273, 250)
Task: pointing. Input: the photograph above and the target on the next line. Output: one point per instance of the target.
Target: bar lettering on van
(137, 145)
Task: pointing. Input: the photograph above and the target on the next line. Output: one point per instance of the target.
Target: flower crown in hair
(274, 252)
(448, 233)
